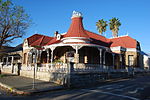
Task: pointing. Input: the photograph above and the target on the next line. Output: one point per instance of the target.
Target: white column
(12, 67)
(39, 55)
(77, 47)
(7, 61)
(12, 60)
(29, 58)
(100, 56)
(51, 57)
(47, 58)
(121, 61)
(76, 50)
(113, 60)
(104, 59)
(52, 54)
(77, 55)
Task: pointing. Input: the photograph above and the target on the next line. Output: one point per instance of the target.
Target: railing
(138, 70)
(61, 67)
(48, 68)
(7, 66)
(89, 68)
(96, 68)
(29, 68)
(54, 68)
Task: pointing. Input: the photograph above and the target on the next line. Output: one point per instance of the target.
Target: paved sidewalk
(24, 85)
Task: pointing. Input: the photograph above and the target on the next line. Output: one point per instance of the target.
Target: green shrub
(2, 75)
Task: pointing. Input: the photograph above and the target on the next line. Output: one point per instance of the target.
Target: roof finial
(127, 34)
(76, 14)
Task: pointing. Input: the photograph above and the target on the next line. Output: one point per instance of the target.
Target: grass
(2, 75)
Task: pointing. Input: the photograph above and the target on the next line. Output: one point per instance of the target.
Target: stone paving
(25, 84)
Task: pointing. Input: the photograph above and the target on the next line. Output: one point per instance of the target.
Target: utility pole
(34, 62)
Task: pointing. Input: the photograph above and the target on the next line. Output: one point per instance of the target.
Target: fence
(88, 68)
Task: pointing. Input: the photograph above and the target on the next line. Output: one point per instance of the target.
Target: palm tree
(114, 26)
(101, 26)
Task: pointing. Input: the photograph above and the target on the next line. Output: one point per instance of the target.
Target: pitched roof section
(76, 28)
(33, 38)
(124, 41)
(54, 40)
(98, 39)
(17, 48)
(97, 36)
(39, 40)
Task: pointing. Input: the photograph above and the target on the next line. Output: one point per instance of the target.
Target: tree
(101, 26)
(13, 22)
(114, 26)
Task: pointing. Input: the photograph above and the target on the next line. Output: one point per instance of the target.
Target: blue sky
(49, 16)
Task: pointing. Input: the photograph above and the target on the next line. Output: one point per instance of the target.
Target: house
(145, 60)
(12, 59)
(77, 51)
(129, 47)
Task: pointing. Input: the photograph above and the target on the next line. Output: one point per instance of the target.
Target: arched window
(25, 58)
(44, 57)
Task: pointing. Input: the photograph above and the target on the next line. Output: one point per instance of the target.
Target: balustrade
(61, 67)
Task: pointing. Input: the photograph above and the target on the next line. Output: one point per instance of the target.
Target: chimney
(55, 34)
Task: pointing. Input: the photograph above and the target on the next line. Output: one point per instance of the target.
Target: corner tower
(76, 31)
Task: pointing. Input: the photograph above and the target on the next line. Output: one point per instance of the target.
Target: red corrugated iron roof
(124, 41)
(76, 28)
(39, 40)
(53, 41)
(97, 36)
(42, 41)
(98, 39)
(33, 38)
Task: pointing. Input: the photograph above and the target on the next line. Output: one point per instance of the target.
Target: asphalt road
(129, 89)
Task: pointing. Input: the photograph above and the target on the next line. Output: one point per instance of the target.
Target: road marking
(116, 87)
(123, 96)
(122, 89)
(119, 86)
(113, 94)
(127, 87)
(105, 86)
(110, 86)
(136, 90)
(118, 90)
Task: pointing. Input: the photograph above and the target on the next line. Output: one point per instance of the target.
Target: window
(25, 57)
(130, 60)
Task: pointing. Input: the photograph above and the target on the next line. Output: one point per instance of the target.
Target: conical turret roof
(76, 28)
